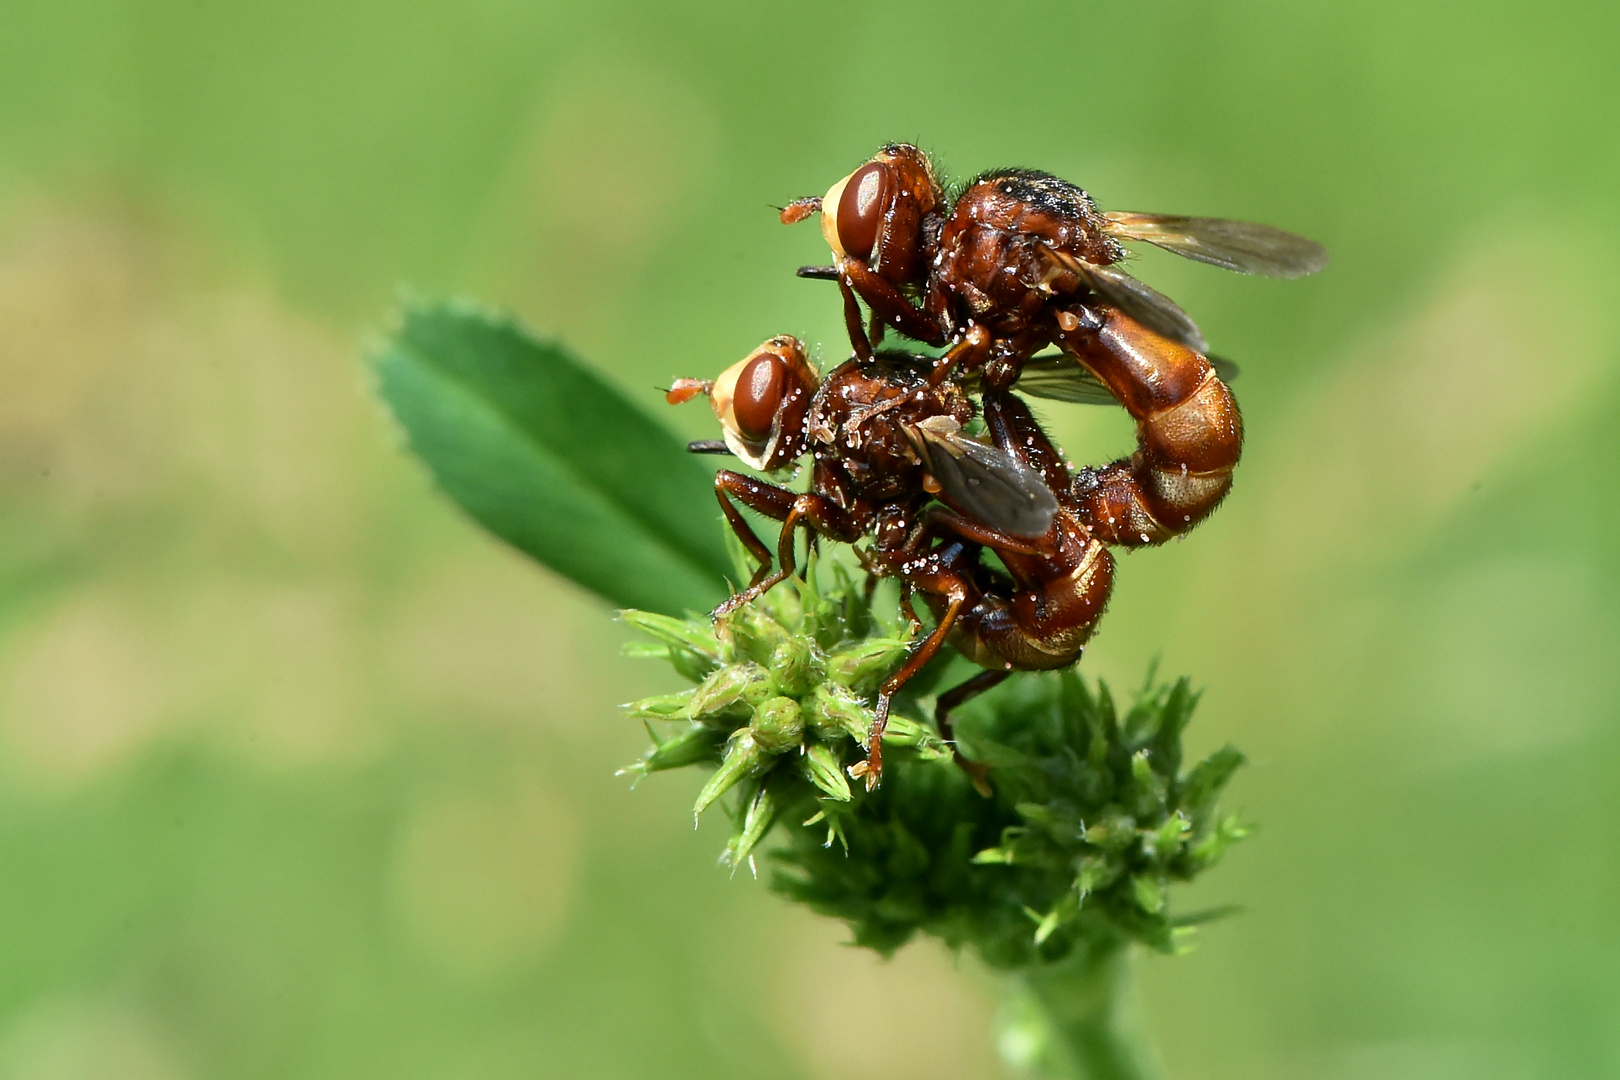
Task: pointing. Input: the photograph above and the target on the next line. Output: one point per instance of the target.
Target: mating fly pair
(1019, 261)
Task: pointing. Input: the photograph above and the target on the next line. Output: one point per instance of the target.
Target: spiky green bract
(1091, 820)
(781, 707)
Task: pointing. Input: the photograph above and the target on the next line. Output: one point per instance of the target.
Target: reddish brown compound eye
(860, 209)
(757, 397)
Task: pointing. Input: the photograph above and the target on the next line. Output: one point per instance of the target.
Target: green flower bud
(690, 665)
(778, 725)
(1095, 873)
(903, 731)
(834, 713)
(663, 706)
(823, 620)
(787, 606)
(1036, 813)
(690, 645)
(1148, 788)
(1094, 814)
(1203, 785)
(726, 687)
(751, 633)
(1045, 925)
(823, 769)
(761, 812)
(795, 667)
(1207, 850)
(743, 758)
(699, 637)
(698, 743)
(1113, 832)
(1165, 842)
(759, 692)
(1148, 893)
(860, 667)
(645, 650)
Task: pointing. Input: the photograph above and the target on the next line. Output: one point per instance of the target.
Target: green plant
(1050, 879)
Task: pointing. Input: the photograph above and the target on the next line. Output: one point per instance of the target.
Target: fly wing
(1225, 370)
(1243, 246)
(1140, 301)
(1057, 377)
(984, 482)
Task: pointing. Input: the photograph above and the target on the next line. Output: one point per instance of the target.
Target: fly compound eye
(757, 396)
(761, 402)
(852, 210)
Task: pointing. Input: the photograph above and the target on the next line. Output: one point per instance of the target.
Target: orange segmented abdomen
(1188, 430)
(1043, 625)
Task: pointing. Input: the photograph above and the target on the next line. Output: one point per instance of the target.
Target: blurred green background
(302, 776)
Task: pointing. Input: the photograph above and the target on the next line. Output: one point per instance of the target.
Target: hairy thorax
(858, 426)
(993, 252)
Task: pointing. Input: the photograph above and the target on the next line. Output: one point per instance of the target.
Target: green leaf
(553, 459)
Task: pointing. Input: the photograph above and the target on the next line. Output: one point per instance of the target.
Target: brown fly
(1020, 259)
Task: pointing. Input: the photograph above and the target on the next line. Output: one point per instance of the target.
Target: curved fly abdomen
(1189, 433)
(1060, 588)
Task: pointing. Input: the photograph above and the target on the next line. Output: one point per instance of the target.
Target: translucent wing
(1232, 245)
(1142, 302)
(984, 482)
(1057, 377)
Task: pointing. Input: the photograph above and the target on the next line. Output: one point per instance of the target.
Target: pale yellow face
(749, 395)
(829, 215)
(723, 399)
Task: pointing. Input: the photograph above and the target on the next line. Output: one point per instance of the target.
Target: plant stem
(1071, 1021)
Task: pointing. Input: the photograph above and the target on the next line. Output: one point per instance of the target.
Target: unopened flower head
(1090, 820)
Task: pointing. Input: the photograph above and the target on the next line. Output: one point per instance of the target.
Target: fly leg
(858, 341)
(1014, 429)
(889, 305)
(967, 354)
(950, 592)
(915, 661)
(791, 509)
(770, 500)
(976, 532)
(912, 618)
(948, 701)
